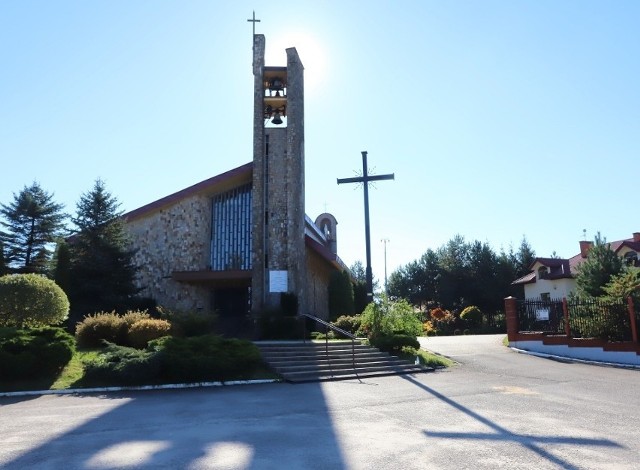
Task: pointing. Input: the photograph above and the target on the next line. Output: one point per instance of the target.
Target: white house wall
(556, 288)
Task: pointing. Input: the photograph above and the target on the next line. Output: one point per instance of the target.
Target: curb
(79, 391)
(573, 359)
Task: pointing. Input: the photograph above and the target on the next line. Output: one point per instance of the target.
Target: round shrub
(31, 300)
(91, 331)
(143, 331)
(472, 315)
(134, 316)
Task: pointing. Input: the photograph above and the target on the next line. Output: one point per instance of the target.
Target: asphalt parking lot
(495, 409)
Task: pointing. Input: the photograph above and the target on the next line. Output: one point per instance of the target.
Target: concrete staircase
(298, 361)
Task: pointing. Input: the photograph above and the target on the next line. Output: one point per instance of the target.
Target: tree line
(91, 260)
(462, 273)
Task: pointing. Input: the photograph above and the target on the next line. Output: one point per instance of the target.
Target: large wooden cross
(365, 179)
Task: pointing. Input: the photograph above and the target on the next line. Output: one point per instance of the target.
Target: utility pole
(385, 241)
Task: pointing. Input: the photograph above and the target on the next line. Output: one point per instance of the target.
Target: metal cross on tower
(365, 179)
(254, 21)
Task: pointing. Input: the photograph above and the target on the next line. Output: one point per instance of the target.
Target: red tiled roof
(571, 264)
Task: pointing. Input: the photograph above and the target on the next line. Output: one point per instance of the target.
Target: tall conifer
(32, 221)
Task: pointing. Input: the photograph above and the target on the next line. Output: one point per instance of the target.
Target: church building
(238, 242)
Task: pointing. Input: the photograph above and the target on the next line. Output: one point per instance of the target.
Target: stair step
(306, 362)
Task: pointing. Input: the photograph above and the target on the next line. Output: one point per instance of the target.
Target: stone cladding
(174, 238)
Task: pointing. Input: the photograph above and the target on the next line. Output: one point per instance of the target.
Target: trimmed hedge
(31, 301)
(122, 365)
(394, 343)
(207, 357)
(34, 353)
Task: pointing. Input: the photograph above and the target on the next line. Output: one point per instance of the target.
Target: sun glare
(309, 49)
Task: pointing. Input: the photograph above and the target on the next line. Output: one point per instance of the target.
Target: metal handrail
(328, 326)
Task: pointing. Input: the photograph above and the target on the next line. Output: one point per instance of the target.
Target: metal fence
(591, 318)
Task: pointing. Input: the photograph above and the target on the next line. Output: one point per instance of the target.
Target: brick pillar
(632, 319)
(511, 313)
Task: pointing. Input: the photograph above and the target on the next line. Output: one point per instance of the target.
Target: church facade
(237, 242)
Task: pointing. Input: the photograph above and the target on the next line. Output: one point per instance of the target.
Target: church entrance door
(232, 307)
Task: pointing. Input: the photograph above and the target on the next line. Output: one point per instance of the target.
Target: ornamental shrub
(472, 315)
(349, 323)
(143, 331)
(103, 326)
(387, 317)
(394, 343)
(189, 323)
(122, 365)
(31, 300)
(207, 357)
(34, 353)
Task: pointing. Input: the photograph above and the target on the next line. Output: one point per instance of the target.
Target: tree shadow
(499, 433)
(256, 426)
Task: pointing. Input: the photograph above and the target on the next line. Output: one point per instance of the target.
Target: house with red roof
(554, 278)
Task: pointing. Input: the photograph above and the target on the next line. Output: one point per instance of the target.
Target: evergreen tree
(3, 263)
(340, 294)
(102, 272)
(359, 277)
(597, 270)
(62, 265)
(31, 223)
(524, 258)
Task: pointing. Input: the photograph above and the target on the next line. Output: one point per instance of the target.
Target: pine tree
(32, 222)
(62, 266)
(597, 270)
(3, 263)
(102, 272)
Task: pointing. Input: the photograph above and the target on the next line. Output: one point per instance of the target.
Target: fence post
(565, 312)
(632, 318)
(511, 315)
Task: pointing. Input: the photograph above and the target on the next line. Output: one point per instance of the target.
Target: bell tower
(278, 215)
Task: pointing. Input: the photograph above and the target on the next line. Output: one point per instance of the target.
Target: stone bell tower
(278, 215)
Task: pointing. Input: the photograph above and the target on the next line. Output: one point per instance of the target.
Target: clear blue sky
(500, 119)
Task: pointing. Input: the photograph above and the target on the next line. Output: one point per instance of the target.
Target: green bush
(122, 365)
(350, 323)
(472, 315)
(273, 325)
(386, 317)
(34, 353)
(31, 300)
(143, 331)
(94, 329)
(189, 323)
(394, 343)
(207, 357)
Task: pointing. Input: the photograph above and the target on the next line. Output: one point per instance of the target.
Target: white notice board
(278, 281)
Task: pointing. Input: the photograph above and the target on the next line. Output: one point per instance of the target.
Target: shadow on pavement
(256, 426)
(531, 442)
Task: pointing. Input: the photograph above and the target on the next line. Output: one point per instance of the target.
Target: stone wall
(173, 238)
(318, 275)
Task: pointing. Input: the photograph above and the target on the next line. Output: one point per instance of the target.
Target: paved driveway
(496, 409)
